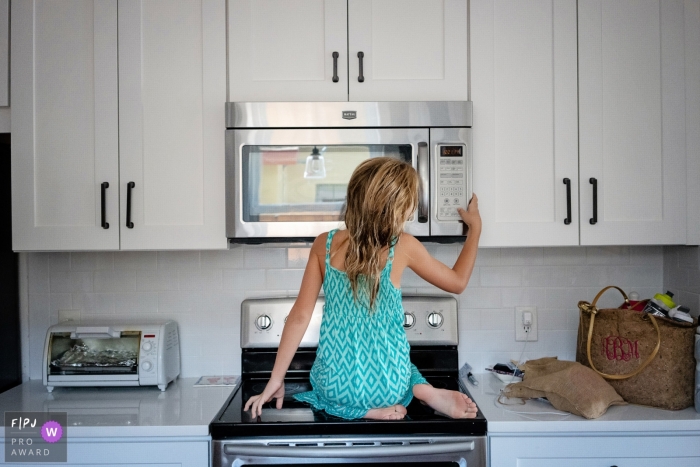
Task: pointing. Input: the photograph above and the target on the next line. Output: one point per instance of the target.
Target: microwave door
(292, 183)
(451, 187)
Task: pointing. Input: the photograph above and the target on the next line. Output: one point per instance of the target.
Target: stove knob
(146, 365)
(263, 322)
(147, 346)
(435, 320)
(409, 319)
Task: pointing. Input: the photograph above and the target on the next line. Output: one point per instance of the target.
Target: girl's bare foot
(395, 412)
(451, 403)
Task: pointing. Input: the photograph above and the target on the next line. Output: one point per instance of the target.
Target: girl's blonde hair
(382, 194)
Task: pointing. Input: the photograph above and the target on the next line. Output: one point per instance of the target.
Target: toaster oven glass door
(94, 355)
(293, 183)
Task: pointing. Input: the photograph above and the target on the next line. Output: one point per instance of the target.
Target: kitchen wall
(682, 275)
(203, 290)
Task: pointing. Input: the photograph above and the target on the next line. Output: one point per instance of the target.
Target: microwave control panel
(452, 180)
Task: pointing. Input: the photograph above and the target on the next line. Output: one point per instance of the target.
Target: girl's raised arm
(453, 280)
(294, 329)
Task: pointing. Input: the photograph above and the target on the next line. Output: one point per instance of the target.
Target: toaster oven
(111, 355)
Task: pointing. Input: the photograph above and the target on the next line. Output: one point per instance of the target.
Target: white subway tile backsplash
(522, 256)
(244, 279)
(203, 291)
(266, 258)
(128, 303)
(136, 260)
(38, 273)
(62, 282)
(156, 281)
(607, 255)
(178, 260)
(91, 261)
(564, 256)
(115, 281)
(94, 303)
(501, 276)
(297, 257)
(284, 278)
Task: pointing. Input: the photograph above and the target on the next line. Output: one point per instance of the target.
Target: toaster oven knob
(146, 365)
(263, 322)
(409, 319)
(435, 320)
(147, 346)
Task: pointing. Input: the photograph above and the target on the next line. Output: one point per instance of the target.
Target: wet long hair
(382, 195)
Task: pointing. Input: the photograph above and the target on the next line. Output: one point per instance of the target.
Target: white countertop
(540, 417)
(181, 410)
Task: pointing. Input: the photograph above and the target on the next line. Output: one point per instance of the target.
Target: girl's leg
(451, 403)
(395, 412)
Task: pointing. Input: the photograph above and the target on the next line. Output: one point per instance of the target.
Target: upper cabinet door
(283, 50)
(64, 125)
(413, 50)
(632, 121)
(172, 90)
(523, 57)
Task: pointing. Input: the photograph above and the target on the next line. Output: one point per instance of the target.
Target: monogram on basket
(646, 356)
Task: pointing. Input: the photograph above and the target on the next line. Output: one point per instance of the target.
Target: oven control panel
(428, 320)
(451, 175)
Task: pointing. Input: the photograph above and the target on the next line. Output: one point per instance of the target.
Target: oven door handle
(423, 168)
(332, 452)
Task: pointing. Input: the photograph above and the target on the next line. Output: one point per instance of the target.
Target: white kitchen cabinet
(282, 50)
(580, 450)
(172, 92)
(525, 133)
(152, 114)
(413, 50)
(64, 125)
(140, 452)
(632, 119)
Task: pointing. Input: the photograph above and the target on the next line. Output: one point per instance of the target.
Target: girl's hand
(273, 390)
(471, 216)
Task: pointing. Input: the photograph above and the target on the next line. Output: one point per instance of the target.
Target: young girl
(362, 367)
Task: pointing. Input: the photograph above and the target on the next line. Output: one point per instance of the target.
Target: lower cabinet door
(132, 451)
(578, 450)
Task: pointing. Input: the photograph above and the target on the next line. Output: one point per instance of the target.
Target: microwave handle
(423, 167)
(94, 332)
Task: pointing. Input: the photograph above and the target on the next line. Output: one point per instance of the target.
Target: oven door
(292, 183)
(384, 451)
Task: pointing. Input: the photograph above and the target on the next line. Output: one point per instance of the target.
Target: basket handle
(593, 310)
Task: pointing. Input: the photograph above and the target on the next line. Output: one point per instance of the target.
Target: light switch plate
(68, 315)
(520, 334)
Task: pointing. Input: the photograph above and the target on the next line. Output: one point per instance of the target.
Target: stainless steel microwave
(288, 164)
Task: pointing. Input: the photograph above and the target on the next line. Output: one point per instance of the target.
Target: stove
(297, 434)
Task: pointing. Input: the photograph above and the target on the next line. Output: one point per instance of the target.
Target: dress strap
(328, 245)
(390, 257)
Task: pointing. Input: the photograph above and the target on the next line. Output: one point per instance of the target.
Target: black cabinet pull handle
(129, 186)
(335, 66)
(567, 182)
(594, 182)
(105, 224)
(361, 78)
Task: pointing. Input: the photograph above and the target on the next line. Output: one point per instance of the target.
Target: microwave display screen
(304, 183)
(451, 151)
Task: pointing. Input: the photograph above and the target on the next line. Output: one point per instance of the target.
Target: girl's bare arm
(294, 329)
(452, 280)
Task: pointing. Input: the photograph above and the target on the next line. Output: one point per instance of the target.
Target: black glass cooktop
(299, 418)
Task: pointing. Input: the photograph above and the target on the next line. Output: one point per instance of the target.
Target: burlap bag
(648, 360)
(569, 386)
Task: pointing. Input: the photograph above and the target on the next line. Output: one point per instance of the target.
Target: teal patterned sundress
(362, 361)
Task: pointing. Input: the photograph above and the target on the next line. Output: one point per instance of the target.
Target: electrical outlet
(522, 313)
(68, 315)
